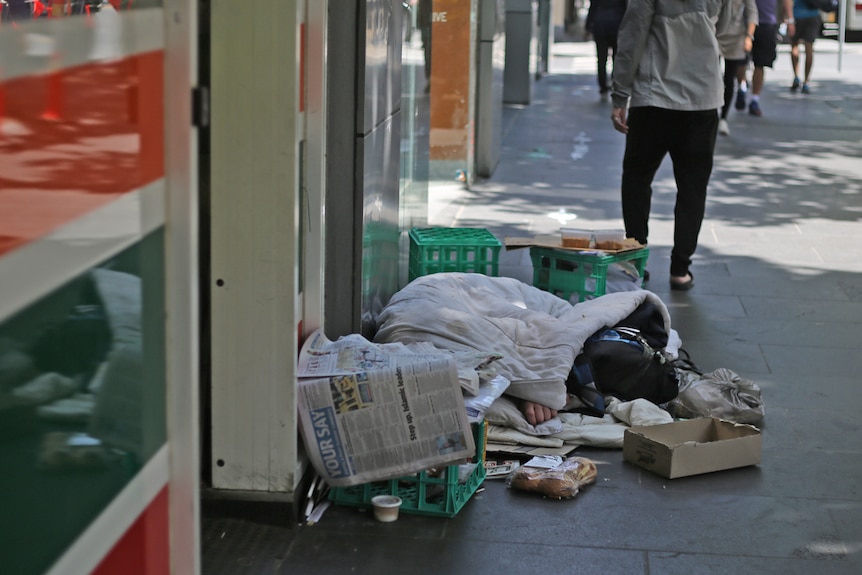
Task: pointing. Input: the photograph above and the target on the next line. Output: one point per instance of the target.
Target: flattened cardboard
(692, 447)
(550, 241)
(528, 450)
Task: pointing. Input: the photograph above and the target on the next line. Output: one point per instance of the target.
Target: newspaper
(353, 354)
(367, 415)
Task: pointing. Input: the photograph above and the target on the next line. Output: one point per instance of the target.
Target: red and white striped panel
(82, 176)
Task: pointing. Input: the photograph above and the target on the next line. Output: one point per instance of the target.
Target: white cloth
(586, 430)
(538, 334)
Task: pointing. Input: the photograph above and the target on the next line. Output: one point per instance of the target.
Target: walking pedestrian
(423, 22)
(808, 25)
(735, 48)
(603, 23)
(667, 90)
(765, 39)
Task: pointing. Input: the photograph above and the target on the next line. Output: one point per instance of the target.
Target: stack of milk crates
(437, 492)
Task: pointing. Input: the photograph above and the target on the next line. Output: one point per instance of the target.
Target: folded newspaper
(378, 411)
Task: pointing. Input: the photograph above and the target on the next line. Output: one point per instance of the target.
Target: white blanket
(505, 425)
(538, 333)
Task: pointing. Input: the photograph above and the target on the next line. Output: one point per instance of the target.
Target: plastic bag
(489, 391)
(561, 482)
(720, 393)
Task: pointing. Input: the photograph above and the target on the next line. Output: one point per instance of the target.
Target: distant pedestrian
(667, 90)
(735, 49)
(423, 22)
(765, 39)
(603, 23)
(808, 25)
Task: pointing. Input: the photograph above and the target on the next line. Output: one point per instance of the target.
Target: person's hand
(536, 413)
(618, 117)
(747, 44)
(791, 29)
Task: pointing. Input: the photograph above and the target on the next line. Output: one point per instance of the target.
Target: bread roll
(561, 482)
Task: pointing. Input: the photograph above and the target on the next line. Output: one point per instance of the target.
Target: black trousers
(605, 44)
(730, 69)
(689, 138)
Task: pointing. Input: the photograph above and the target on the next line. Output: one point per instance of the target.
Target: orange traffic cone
(54, 97)
(2, 106)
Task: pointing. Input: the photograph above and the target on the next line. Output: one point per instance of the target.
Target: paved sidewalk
(778, 299)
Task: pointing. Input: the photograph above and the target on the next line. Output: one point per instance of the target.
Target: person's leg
(691, 149)
(757, 78)
(602, 61)
(741, 73)
(809, 60)
(425, 34)
(730, 73)
(646, 146)
(763, 55)
(794, 62)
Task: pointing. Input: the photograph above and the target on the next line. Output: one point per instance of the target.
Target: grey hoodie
(668, 55)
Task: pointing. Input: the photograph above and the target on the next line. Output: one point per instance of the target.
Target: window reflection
(17, 10)
(81, 119)
(415, 100)
(82, 402)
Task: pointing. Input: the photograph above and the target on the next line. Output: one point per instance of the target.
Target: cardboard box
(691, 447)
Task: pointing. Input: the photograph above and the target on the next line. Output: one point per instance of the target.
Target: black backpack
(626, 361)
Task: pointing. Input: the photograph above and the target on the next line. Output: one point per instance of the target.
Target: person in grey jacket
(735, 48)
(667, 89)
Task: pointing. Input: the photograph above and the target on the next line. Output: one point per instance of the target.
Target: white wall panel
(256, 132)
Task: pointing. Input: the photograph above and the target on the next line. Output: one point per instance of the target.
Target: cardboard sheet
(556, 242)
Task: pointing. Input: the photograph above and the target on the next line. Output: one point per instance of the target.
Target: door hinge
(200, 106)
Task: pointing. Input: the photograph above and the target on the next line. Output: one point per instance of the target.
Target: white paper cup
(386, 507)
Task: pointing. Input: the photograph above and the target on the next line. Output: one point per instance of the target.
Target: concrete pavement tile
(376, 549)
(704, 564)
(778, 285)
(655, 518)
(830, 361)
(784, 332)
(712, 308)
(829, 431)
(848, 518)
(852, 286)
(802, 391)
(831, 228)
(815, 310)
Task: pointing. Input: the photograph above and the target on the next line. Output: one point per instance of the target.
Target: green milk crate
(434, 250)
(567, 273)
(423, 494)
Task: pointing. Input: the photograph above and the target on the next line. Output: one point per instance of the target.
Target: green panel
(82, 402)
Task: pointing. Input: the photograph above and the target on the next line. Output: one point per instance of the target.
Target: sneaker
(795, 85)
(754, 108)
(723, 128)
(740, 99)
(806, 89)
